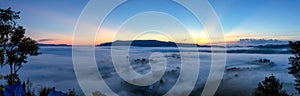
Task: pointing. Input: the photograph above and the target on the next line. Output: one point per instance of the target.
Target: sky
(53, 21)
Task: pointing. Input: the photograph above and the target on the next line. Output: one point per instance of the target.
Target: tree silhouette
(295, 62)
(270, 87)
(15, 47)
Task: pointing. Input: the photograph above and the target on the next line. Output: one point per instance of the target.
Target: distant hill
(54, 45)
(271, 46)
(149, 43)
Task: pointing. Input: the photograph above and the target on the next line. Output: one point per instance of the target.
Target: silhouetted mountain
(149, 43)
(54, 45)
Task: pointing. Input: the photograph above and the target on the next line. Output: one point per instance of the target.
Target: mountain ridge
(149, 43)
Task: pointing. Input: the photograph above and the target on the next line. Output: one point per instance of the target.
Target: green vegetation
(97, 93)
(14, 46)
(1, 90)
(29, 91)
(44, 91)
(295, 62)
(270, 87)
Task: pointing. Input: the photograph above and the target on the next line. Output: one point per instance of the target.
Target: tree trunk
(11, 75)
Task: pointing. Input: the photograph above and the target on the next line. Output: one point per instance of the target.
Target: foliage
(14, 46)
(1, 76)
(29, 91)
(44, 91)
(98, 93)
(295, 62)
(1, 90)
(270, 87)
(72, 92)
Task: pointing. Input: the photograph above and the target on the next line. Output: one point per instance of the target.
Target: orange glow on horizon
(99, 41)
(107, 35)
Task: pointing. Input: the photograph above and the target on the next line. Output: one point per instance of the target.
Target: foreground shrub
(270, 87)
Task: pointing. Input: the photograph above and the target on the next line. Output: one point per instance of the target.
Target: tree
(45, 91)
(270, 87)
(15, 47)
(295, 62)
(98, 93)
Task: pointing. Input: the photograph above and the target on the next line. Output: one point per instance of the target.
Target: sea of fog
(54, 68)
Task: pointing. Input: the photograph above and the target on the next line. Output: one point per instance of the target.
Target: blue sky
(271, 19)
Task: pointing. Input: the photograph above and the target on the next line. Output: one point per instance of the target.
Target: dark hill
(148, 43)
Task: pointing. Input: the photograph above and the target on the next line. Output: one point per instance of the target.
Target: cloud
(45, 40)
